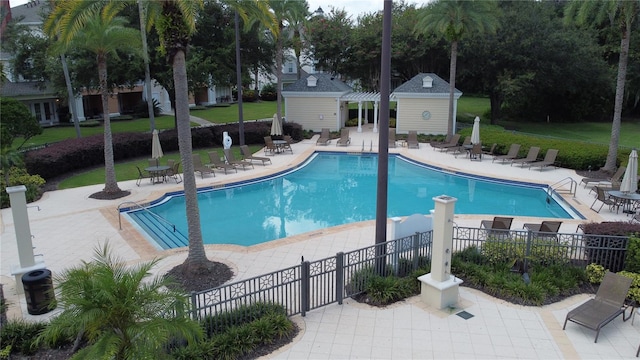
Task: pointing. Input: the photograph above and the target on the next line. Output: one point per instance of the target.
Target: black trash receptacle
(38, 289)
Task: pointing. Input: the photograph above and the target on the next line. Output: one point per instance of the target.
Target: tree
(100, 31)
(326, 36)
(17, 121)
(284, 12)
(456, 19)
(121, 313)
(622, 15)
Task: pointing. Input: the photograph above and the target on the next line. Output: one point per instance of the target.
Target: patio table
(158, 173)
(624, 200)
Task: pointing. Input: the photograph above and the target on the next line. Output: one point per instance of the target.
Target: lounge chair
(466, 144)
(142, 175)
(514, 149)
(549, 160)
(498, 223)
(532, 156)
(199, 168)
(325, 137)
(491, 151)
(217, 163)
(451, 144)
(392, 138)
(174, 170)
(604, 198)
(269, 146)
(606, 306)
(228, 154)
(287, 145)
(246, 153)
(412, 140)
(613, 179)
(546, 229)
(344, 138)
(446, 140)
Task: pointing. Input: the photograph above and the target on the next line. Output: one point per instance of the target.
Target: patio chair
(514, 149)
(451, 144)
(199, 168)
(325, 137)
(228, 154)
(412, 140)
(269, 146)
(217, 163)
(532, 156)
(604, 198)
(174, 170)
(142, 175)
(344, 138)
(613, 179)
(246, 153)
(549, 160)
(607, 305)
(392, 138)
(287, 146)
(154, 162)
(476, 152)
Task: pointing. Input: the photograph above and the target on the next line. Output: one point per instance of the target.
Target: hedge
(74, 154)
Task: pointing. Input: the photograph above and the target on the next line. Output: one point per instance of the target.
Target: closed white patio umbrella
(276, 126)
(475, 133)
(156, 148)
(630, 179)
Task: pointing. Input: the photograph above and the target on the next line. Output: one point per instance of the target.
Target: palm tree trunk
(110, 183)
(452, 85)
(147, 72)
(612, 155)
(72, 98)
(279, 55)
(197, 257)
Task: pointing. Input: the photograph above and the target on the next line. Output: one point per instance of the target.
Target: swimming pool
(332, 189)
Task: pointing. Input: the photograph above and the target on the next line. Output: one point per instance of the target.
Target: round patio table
(626, 200)
(158, 173)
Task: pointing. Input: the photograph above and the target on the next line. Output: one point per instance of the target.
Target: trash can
(38, 289)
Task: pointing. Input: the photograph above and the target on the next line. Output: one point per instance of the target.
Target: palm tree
(455, 19)
(121, 313)
(100, 31)
(622, 15)
(284, 12)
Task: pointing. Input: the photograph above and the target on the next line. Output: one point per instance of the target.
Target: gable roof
(35, 89)
(31, 12)
(326, 84)
(414, 86)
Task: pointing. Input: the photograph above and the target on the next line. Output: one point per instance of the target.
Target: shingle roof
(325, 83)
(414, 85)
(32, 12)
(15, 89)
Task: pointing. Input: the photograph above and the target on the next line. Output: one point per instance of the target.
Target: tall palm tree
(103, 33)
(622, 15)
(284, 11)
(455, 19)
(121, 313)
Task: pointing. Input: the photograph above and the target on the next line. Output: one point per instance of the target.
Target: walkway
(68, 226)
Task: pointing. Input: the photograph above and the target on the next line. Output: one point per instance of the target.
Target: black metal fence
(313, 284)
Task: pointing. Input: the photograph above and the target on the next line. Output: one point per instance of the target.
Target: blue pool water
(333, 189)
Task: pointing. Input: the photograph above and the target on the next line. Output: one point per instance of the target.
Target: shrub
(241, 315)
(632, 259)
(19, 176)
(20, 336)
(268, 92)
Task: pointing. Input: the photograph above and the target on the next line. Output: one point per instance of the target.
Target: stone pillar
(21, 226)
(438, 288)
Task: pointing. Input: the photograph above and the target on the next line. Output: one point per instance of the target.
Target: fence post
(415, 243)
(304, 287)
(194, 308)
(339, 277)
(527, 252)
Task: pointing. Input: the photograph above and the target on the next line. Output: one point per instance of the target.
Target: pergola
(361, 97)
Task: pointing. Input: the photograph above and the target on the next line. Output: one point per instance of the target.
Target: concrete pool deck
(67, 226)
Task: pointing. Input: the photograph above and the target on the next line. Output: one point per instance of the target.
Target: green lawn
(226, 114)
